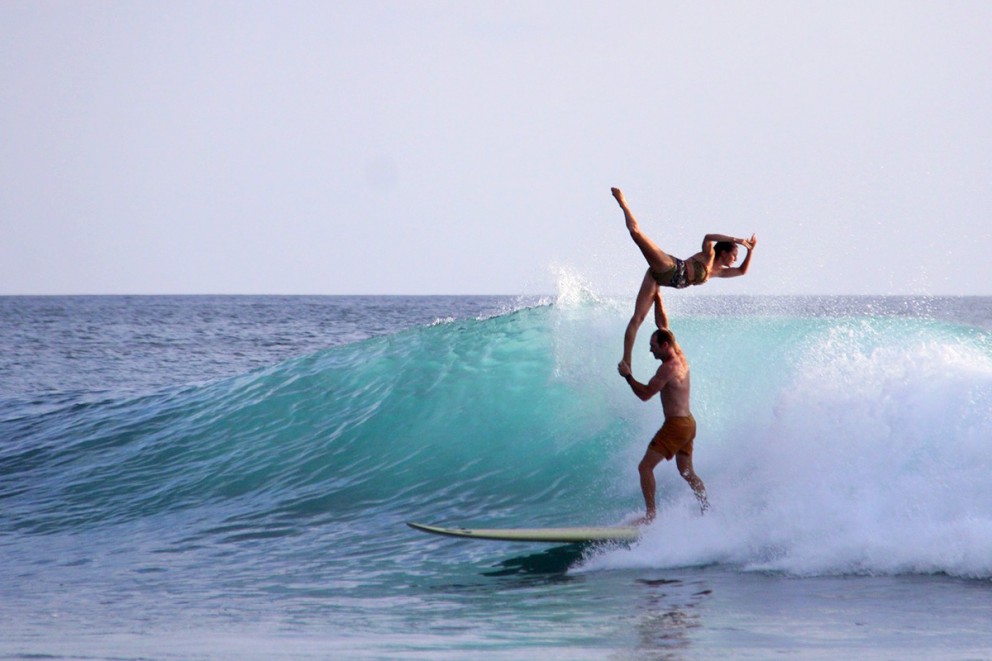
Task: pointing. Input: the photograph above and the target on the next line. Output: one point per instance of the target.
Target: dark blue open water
(229, 477)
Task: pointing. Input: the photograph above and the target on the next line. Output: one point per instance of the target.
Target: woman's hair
(723, 246)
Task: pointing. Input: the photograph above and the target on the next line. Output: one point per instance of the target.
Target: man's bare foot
(644, 520)
(700, 493)
(618, 194)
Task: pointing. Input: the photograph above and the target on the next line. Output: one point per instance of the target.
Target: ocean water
(230, 477)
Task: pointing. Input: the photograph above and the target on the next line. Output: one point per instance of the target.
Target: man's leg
(646, 471)
(683, 461)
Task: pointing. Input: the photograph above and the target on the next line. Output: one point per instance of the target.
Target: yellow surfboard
(548, 535)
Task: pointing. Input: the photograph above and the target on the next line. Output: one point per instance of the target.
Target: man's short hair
(663, 335)
(723, 246)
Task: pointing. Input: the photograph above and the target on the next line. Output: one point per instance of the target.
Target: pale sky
(434, 147)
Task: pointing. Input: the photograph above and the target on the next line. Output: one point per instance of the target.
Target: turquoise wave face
(461, 418)
(846, 429)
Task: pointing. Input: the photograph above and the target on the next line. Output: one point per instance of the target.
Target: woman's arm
(736, 271)
(716, 238)
(749, 244)
(710, 239)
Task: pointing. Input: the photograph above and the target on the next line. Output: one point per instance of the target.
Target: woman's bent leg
(645, 299)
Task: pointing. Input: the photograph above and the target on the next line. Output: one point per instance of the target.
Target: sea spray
(871, 455)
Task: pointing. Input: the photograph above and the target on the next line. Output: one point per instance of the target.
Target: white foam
(875, 458)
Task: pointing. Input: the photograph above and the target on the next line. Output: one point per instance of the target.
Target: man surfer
(675, 438)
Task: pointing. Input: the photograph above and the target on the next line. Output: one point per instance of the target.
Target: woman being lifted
(715, 260)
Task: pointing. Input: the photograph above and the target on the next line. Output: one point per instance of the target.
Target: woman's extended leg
(657, 259)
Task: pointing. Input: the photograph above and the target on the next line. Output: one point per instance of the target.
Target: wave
(855, 446)
(828, 444)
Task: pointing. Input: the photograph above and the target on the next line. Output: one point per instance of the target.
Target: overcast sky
(431, 147)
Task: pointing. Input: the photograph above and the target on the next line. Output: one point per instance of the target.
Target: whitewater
(230, 477)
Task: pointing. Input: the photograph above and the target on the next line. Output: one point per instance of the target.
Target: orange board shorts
(675, 436)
